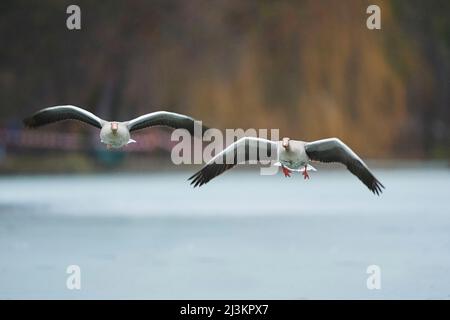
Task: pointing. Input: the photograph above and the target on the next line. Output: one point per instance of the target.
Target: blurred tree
(310, 68)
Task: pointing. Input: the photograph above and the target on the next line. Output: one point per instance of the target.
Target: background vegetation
(310, 68)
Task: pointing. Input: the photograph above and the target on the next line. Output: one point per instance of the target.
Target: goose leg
(286, 171)
(305, 173)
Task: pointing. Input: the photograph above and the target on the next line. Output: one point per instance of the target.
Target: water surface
(241, 236)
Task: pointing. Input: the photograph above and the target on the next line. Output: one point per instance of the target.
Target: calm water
(241, 236)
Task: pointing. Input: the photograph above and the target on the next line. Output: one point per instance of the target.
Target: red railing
(47, 140)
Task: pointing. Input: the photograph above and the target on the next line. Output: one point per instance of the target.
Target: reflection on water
(241, 236)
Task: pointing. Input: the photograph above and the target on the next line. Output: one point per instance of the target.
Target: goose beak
(285, 143)
(114, 127)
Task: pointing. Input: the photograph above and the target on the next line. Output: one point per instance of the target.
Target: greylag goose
(291, 155)
(112, 133)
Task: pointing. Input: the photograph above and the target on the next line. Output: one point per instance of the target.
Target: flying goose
(112, 133)
(292, 155)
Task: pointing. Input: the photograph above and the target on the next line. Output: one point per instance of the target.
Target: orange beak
(114, 127)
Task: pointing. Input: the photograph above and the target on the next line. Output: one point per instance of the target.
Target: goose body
(112, 133)
(290, 155)
(116, 139)
(294, 158)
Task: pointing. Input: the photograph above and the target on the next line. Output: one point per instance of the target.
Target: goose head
(285, 143)
(114, 127)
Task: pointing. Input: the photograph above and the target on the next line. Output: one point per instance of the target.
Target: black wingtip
(196, 179)
(377, 187)
(29, 122)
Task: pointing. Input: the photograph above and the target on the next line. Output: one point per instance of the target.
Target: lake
(242, 236)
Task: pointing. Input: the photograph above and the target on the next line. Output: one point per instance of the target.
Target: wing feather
(334, 150)
(246, 149)
(60, 113)
(165, 119)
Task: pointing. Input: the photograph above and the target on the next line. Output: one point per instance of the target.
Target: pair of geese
(292, 155)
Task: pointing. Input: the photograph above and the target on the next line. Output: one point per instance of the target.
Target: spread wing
(334, 150)
(60, 113)
(166, 119)
(246, 149)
